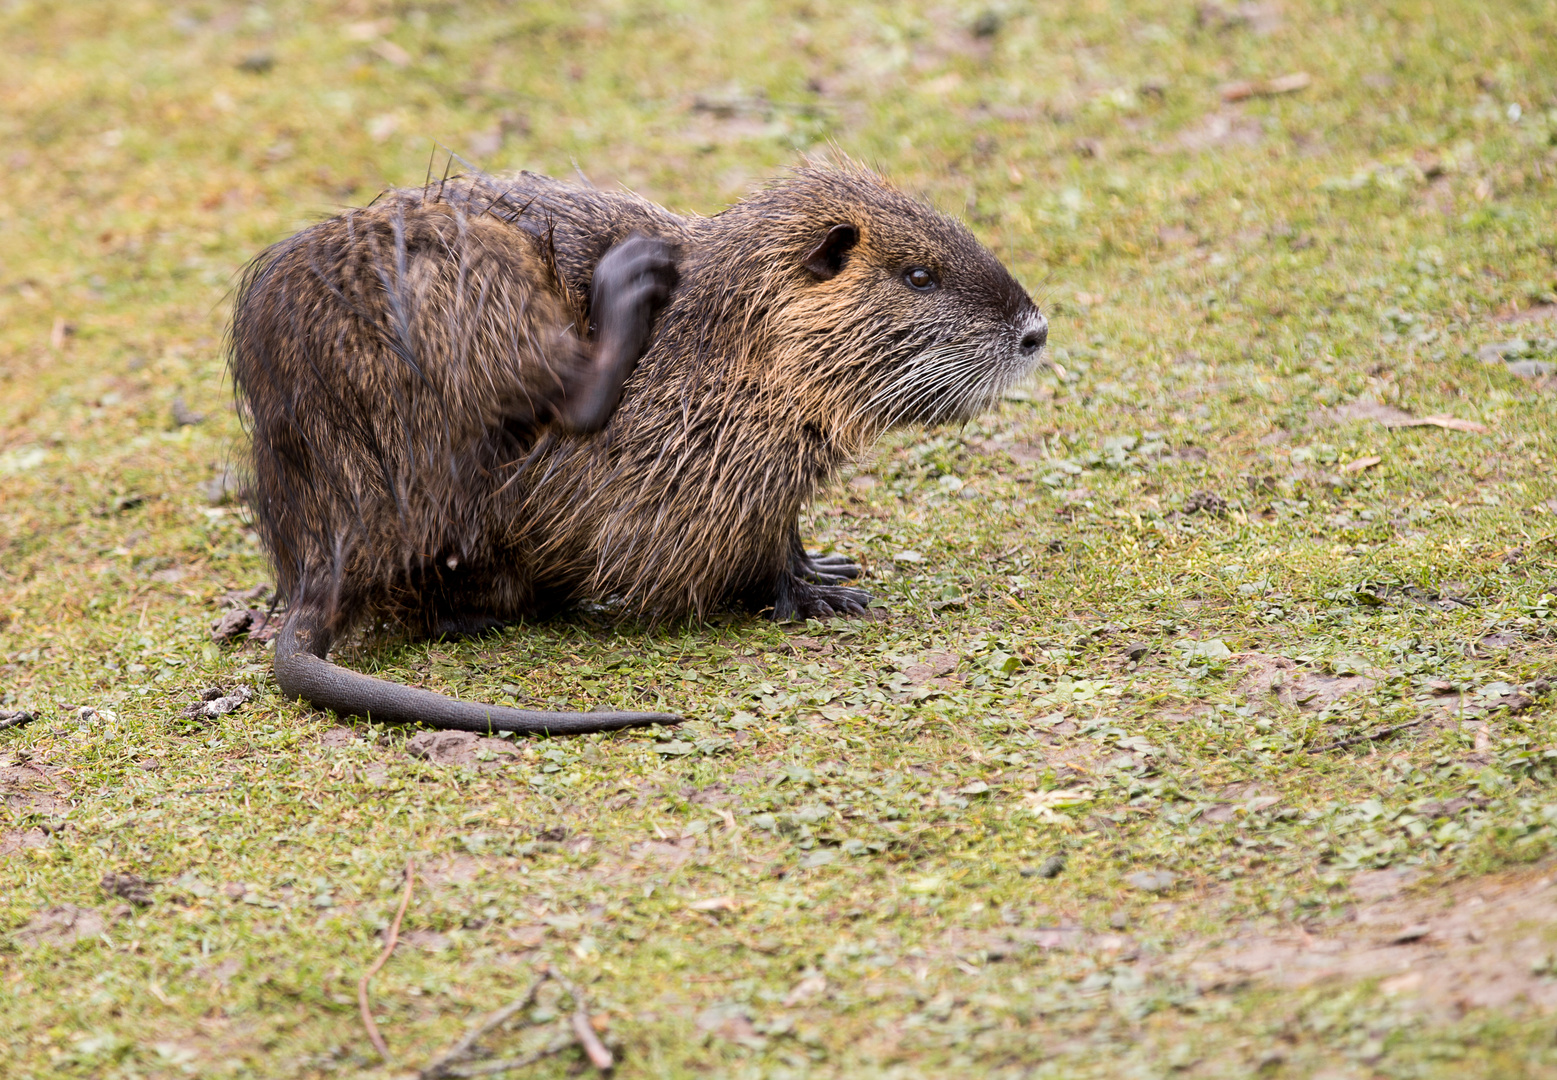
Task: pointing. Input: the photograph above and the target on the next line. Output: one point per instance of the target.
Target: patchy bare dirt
(461, 748)
(13, 841)
(1387, 415)
(338, 736)
(1536, 313)
(1225, 127)
(667, 853)
(63, 925)
(427, 940)
(453, 870)
(1484, 943)
(933, 667)
(31, 787)
(1276, 678)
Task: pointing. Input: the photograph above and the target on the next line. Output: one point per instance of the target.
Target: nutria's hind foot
(827, 569)
(800, 599)
(632, 283)
(455, 625)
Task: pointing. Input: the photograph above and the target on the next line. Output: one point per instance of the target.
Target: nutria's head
(889, 309)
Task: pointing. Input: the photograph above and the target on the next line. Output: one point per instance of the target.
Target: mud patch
(31, 787)
(14, 841)
(933, 667)
(1226, 127)
(461, 748)
(1359, 410)
(63, 925)
(1537, 313)
(1278, 679)
(1489, 943)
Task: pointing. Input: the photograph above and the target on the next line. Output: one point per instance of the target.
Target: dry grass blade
(389, 947)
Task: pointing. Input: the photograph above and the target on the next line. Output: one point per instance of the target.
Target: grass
(845, 864)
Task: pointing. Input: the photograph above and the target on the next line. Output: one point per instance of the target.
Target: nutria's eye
(920, 279)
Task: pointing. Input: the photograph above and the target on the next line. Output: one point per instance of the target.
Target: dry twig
(1382, 733)
(598, 1055)
(488, 1068)
(389, 947)
(440, 1066)
(10, 719)
(450, 1062)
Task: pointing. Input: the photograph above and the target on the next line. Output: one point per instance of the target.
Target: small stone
(1119, 920)
(1205, 502)
(257, 63)
(220, 489)
(1049, 868)
(220, 704)
(1136, 650)
(1531, 369)
(987, 24)
(1494, 352)
(184, 416)
(1152, 880)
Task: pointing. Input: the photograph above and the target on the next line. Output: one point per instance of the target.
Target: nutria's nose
(1036, 336)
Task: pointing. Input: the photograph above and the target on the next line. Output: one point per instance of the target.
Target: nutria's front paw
(801, 599)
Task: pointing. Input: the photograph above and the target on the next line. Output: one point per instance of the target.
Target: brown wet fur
(408, 371)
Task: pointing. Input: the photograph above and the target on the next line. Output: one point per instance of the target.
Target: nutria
(479, 400)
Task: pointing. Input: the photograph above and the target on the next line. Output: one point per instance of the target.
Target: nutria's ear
(826, 259)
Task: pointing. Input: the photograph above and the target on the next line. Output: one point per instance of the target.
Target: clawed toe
(828, 569)
(801, 599)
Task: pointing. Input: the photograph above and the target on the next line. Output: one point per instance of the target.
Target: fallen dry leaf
(1351, 468)
(1453, 423)
(715, 903)
(392, 53)
(1045, 803)
(806, 988)
(1285, 84)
